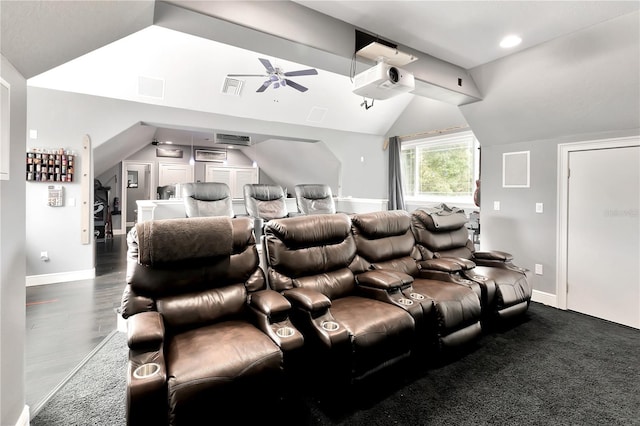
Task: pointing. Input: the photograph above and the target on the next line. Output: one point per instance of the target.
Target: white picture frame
(516, 169)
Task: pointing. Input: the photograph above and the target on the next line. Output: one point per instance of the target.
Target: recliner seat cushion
(384, 332)
(209, 357)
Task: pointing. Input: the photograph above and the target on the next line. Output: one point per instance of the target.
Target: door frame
(123, 192)
(563, 203)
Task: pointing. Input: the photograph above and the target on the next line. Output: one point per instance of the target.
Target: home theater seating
(339, 298)
(446, 251)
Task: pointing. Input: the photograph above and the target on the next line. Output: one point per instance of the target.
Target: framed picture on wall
(210, 155)
(167, 152)
(515, 169)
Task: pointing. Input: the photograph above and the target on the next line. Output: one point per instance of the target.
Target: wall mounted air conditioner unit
(229, 139)
(383, 81)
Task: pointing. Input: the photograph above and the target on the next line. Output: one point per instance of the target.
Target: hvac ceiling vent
(232, 86)
(228, 139)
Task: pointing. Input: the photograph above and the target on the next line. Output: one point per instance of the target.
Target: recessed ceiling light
(510, 41)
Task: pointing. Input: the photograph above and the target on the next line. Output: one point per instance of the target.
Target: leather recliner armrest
(270, 302)
(318, 317)
(443, 265)
(308, 300)
(384, 279)
(390, 286)
(271, 311)
(145, 331)
(493, 255)
(147, 372)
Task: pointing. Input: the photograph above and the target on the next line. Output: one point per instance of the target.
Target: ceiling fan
(277, 77)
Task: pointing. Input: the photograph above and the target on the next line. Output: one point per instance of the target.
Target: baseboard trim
(544, 298)
(60, 277)
(23, 420)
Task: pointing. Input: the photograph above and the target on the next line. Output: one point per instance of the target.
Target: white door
(169, 173)
(603, 234)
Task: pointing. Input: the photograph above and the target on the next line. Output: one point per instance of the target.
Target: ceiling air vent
(232, 86)
(225, 138)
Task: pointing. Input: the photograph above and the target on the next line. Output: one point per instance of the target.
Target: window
(441, 169)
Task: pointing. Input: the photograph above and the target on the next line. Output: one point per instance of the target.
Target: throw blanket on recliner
(445, 217)
(171, 240)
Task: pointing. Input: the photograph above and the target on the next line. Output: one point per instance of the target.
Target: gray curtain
(396, 196)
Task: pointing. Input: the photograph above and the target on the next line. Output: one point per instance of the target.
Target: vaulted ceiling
(185, 49)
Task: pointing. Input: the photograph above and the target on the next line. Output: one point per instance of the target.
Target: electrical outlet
(539, 207)
(538, 269)
(496, 205)
(44, 256)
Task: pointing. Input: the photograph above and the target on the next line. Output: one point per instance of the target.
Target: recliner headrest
(206, 191)
(383, 223)
(307, 231)
(264, 192)
(313, 191)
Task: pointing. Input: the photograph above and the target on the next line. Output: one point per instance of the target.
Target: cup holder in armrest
(146, 370)
(405, 301)
(416, 296)
(285, 331)
(330, 325)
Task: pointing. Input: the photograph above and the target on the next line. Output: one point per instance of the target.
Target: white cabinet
(235, 177)
(173, 173)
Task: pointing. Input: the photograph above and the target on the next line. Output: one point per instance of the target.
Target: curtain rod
(425, 134)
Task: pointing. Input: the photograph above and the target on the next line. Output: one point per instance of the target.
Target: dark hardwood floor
(66, 321)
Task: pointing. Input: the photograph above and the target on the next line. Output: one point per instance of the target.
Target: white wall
(584, 86)
(12, 264)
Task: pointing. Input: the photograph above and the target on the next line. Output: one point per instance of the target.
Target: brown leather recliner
(441, 236)
(348, 334)
(452, 311)
(201, 323)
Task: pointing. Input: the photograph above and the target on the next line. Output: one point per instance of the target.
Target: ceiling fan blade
(264, 86)
(247, 75)
(267, 65)
(301, 72)
(295, 85)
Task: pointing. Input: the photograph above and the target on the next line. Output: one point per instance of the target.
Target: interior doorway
(137, 184)
(599, 269)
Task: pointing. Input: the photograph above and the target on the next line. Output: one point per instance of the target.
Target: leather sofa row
(354, 294)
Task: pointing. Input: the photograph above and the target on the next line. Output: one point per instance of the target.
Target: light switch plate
(538, 269)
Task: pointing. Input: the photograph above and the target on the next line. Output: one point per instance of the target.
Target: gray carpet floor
(553, 368)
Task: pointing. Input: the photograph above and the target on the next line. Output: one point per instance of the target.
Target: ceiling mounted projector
(383, 81)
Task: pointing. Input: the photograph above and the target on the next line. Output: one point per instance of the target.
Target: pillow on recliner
(172, 240)
(442, 218)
